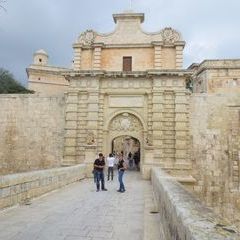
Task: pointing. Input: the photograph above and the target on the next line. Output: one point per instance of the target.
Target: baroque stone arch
(124, 123)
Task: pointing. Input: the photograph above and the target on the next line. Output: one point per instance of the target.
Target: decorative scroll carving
(87, 37)
(170, 35)
(90, 138)
(125, 122)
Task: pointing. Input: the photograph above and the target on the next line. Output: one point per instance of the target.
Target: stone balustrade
(20, 188)
(183, 216)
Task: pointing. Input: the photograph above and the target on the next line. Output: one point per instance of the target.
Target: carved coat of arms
(170, 35)
(87, 37)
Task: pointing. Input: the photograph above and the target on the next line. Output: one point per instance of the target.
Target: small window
(127, 64)
(40, 60)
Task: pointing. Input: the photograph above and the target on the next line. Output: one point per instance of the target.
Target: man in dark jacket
(99, 165)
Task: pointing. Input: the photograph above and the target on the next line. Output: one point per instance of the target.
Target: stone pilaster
(157, 125)
(93, 115)
(77, 58)
(82, 122)
(157, 56)
(70, 141)
(97, 58)
(169, 128)
(100, 123)
(181, 129)
(150, 117)
(179, 57)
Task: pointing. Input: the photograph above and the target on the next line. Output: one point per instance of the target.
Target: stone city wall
(215, 151)
(184, 216)
(21, 187)
(31, 132)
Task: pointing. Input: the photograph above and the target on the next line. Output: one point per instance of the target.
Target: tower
(40, 57)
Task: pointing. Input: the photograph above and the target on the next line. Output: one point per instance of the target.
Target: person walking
(99, 165)
(121, 169)
(110, 164)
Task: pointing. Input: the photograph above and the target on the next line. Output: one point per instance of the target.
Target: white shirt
(110, 161)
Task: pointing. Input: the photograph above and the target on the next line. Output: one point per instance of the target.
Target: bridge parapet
(183, 216)
(21, 187)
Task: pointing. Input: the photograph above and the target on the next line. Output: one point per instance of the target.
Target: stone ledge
(183, 215)
(18, 188)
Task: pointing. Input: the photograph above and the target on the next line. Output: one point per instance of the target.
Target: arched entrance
(125, 132)
(130, 147)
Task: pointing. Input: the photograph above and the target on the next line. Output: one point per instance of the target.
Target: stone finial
(87, 37)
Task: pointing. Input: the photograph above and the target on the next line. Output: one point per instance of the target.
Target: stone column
(179, 57)
(70, 141)
(181, 129)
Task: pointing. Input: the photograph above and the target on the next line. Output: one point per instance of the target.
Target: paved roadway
(78, 212)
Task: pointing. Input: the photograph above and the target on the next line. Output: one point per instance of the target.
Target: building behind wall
(44, 78)
(216, 76)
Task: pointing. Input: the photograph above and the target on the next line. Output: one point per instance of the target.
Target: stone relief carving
(87, 37)
(125, 122)
(149, 140)
(90, 140)
(170, 35)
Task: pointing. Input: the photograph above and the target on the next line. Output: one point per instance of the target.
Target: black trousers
(110, 172)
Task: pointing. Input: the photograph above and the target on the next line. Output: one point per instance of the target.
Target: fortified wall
(215, 151)
(130, 82)
(31, 132)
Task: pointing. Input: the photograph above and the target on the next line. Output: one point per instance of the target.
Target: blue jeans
(100, 178)
(120, 179)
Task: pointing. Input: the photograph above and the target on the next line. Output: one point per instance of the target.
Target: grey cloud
(210, 28)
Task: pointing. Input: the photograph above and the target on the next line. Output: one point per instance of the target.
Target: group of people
(98, 171)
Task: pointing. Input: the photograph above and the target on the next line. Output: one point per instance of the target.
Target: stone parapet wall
(21, 187)
(31, 132)
(183, 216)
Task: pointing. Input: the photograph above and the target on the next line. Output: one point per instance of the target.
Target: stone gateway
(130, 83)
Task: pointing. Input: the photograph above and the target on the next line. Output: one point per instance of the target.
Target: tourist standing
(99, 165)
(121, 169)
(110, 164)
(130, 160)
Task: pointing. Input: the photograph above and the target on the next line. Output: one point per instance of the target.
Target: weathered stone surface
(215, 147)
(18, 188)
(185, 217)
(31, 132)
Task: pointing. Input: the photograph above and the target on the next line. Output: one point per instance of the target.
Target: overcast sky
(211, 28)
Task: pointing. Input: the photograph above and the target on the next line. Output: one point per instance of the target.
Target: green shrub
(9, 85)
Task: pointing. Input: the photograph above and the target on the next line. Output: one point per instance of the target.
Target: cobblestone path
(78, 212)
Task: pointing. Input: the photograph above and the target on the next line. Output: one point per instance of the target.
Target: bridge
(63, 204)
